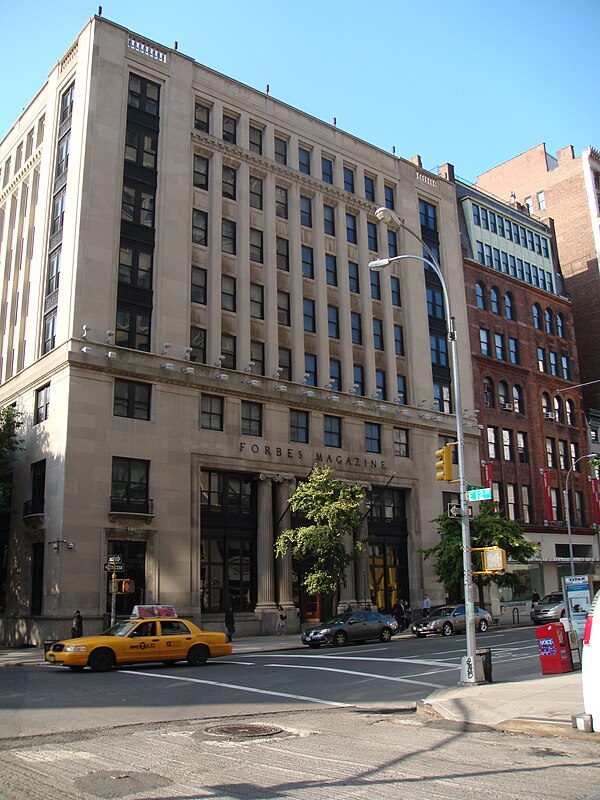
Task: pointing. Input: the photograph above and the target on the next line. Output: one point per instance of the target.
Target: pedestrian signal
(443, 464)
(125, 586)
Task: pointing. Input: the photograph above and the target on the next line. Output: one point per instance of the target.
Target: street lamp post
(471, 664)
(566, 505)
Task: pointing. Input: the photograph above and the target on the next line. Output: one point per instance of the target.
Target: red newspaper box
(554, 649)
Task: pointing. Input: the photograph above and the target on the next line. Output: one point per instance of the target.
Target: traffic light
(125, 586)
(494, 559)
(443, 464)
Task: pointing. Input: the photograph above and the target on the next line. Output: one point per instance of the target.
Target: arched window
(548, 321)
(560, 326)
(480, 295)
(546, 407)
(518, 403)
(509, 306)
(488, 392)
(558, 410)
(537, 316)
(570, 408)
(502, 393)
(495, 300)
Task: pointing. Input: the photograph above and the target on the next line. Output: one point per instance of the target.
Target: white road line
(360, 674)
(242, 689)
(425, 662)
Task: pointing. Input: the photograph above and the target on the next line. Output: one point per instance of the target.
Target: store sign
(319, 457)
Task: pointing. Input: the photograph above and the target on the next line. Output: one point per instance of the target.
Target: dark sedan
(358, 626)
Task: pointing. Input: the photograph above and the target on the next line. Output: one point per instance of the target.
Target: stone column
(363, 591)
(284, 488)
(264, 545)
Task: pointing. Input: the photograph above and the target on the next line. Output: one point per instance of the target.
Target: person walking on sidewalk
(229, 623)
(281, 618)
(426, 605)
(77, 625)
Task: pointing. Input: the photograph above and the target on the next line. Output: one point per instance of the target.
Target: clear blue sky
(472, 83)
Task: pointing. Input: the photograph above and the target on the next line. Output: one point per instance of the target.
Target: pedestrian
(77, 625)
(535, 598)
(229, 623)
(398, 614)
(281, 618)
(407, 614)
(426, 605)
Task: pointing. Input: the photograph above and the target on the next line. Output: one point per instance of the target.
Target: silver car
(450, 619)
(551, 608)
(358, 626)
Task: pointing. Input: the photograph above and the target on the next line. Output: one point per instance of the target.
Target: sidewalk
(542, 706)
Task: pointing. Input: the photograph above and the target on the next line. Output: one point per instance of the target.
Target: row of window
(515, 267)
(495, 223)
(512, 446)
(24, 150)
(498, 349)
(203, 121)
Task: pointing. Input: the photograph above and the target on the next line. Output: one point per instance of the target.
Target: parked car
(450, 619)
(359, 626)
(141, 639)
(550, 608)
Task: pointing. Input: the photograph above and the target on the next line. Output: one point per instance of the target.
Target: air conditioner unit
(548, 415)
(507, 406)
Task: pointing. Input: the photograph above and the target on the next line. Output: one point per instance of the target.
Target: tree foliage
(488, 528)
(10, 442)
(333, 510)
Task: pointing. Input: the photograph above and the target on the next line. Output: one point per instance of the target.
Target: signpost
(114, 564)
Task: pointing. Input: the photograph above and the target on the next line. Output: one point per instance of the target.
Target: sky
(469, 82)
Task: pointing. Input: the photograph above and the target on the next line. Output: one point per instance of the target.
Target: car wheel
(339, 639)
(447, 629)
(385, 635)
(483, 625)
(75, 669)
(197, 655)
(101, 660)
(421, 635)
(314, 645)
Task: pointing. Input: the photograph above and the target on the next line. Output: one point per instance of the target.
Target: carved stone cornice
(21, 174)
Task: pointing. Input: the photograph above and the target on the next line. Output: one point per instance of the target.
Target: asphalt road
(46, 700)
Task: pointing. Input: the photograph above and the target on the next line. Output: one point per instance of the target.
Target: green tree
(10, 442)
(488, 529)
(333, 510)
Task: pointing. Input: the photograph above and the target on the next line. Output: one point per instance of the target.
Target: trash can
(48, 644)
(486, 659)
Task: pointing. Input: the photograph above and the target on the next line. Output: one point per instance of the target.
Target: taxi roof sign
(140, 612)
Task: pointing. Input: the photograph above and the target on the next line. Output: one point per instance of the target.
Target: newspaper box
(554, 649)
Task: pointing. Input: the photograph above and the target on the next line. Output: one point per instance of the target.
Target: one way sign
(454, 510)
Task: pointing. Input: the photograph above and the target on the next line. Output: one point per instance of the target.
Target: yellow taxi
(153, 633)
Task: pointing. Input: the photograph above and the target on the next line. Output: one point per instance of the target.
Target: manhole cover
(246, 729)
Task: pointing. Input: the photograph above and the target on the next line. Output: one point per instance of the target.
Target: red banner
(548, 495)
(596, 496)
(487, 471)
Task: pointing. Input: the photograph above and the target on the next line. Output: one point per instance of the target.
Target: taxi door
(142, 644)
(175, 639)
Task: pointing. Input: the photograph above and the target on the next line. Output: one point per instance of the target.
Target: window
(546, 404)
(308, 267)
(304, 160)
(310, 323)
(285, 363)
(509, 306)
(257, 357)
(305, 211)
(351, 231)
(522, 447)
(228, 293)
(398, 340)
(562, 454)
(251, 419)
(255, 139)
(53, 277)
(570, 412)
(511, 501)
(541, 200)
(396, 294)
(349, 179)
(132, 399)
(333, 322)
(62, 156)
(487, 255)
(518, 402)
(358, 374)
(492, 440)
(228, 350)
(256, 192)
(507, 445)
(58, 212)
(211, 412)
(377, 334)
(484, 341)
(553, 362)
(332, 431)
(427, 214)
(502, 393)
(566, 367)
(548, 321)
(353, 277)
(380, 383)
(201, 117)
(401, 443)
(256, 245)
(281, 202)
(138, 205)
(335, 374)
(392, 243)
(494, 300)
(200, 172)
(492, 222)
(228, 183)
(200, 227)
(331, 269)
(499, 346)
(257, 301)
(199, 276)
(388, 192)
(66, 101)
(29, 145)
(488, 393)
(435, 302)
(526, 503)
(129, 489)
(228, 236)
(513, 351)
(372, 437)
(372, 236)
(281, 146)
(438, 347)
(299, 431)
(375, 285)
(310, 369)
(497, 264)
(476, 215)
(369, 188)
(229, 129)
(401, 388)
(283, 308)
(327, 170)
(198, 345)
(541, 359)
(132, 328)
(480, 256)
(560, 326)
(550, 452)
(329, 220)
(42, 404)
(283, 253)
(480, 296)
(356, 325)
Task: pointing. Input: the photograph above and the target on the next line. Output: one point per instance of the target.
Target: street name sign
(475, 495)
(114, 567)
(115, 559)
